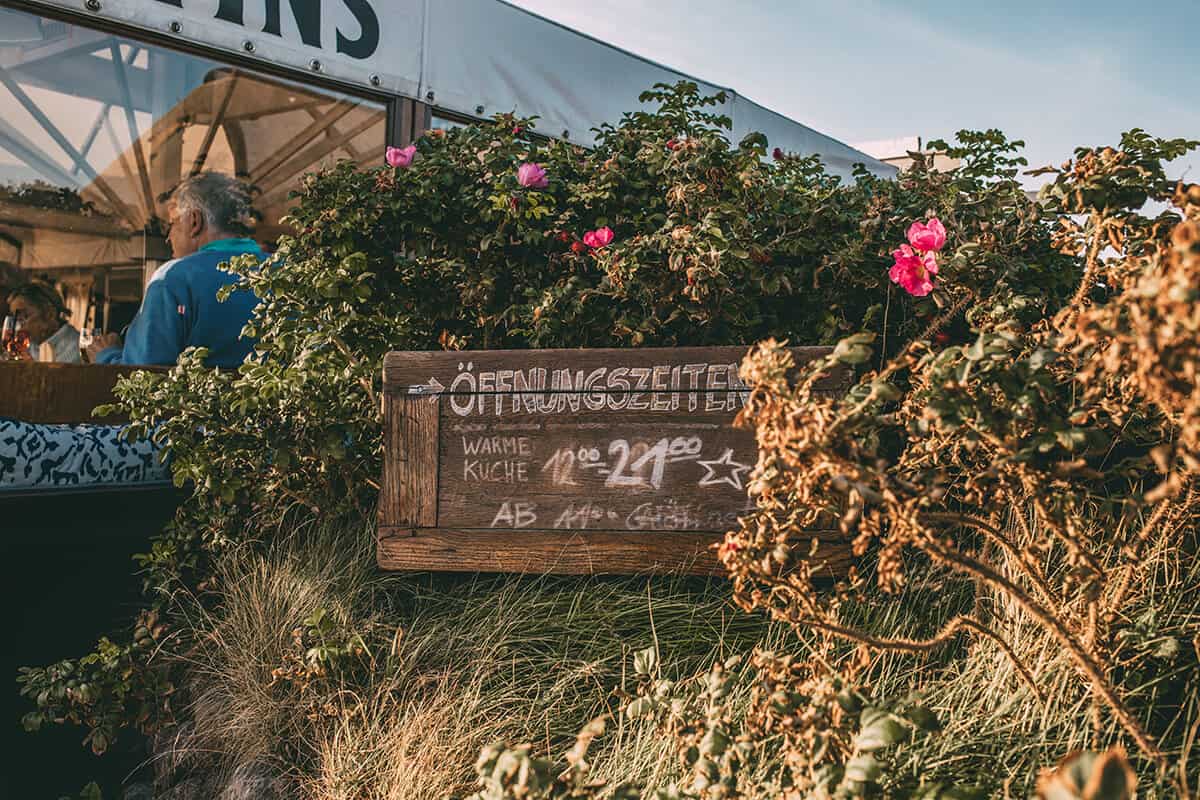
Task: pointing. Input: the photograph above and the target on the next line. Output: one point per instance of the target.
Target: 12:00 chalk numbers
(631, 462)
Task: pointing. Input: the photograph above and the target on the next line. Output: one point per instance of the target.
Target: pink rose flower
(913, 271)
(400, 156)
(532, 176)
(598, 238)
(928, 237)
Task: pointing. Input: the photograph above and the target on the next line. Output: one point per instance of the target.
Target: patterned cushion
(36, 457)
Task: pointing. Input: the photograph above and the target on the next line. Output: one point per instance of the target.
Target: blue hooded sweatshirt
(181, 310)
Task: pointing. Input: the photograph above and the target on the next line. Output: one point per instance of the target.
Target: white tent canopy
(488, 53)
(459, 55)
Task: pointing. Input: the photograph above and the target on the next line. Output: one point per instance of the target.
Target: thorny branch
(1081, 418)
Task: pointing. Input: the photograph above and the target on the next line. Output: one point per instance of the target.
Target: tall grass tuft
(452, 663)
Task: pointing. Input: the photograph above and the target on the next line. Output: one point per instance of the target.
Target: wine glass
(7, 334)
(18, 345)
(86, 337)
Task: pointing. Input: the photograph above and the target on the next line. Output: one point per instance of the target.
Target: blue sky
(1056, 73)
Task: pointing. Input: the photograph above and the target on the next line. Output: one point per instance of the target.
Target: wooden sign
(566, 461)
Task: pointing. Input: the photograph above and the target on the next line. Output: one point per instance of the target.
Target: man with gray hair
(208, 223)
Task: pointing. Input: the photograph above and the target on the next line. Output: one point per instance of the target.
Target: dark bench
(68, 573)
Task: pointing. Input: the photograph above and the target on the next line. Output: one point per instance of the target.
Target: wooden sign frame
(596, 507)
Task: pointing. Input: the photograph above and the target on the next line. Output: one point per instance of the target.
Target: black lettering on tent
(364, 46)
(308, 19)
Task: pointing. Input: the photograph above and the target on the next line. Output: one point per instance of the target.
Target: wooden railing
(58, 393)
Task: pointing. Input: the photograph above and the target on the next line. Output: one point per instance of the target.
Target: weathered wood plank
(409, 491)
(59, 393)
(634, 470)
(569, 461)
(598, 552)
(648, 370)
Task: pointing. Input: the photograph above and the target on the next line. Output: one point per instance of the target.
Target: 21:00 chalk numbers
(640, 465)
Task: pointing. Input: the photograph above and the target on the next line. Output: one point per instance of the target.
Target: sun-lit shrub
(1015, 465)
(1039, 449)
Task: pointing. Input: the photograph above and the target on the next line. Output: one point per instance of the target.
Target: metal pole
(214, 125)
(134, 136)
(95, 131)
(107, 301)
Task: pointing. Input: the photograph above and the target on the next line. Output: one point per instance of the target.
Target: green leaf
(644, 661)
(923, 718)
(754, 139)
(1041, 357)
(1167, 648)
(863, 769)
(887, 392)
(848, 351)
(1091, 776)
(641, 707)
(1072, 439)
(879, 730)
(714, 743)
(849, 699)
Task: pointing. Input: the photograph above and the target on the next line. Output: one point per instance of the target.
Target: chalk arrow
(433, 387)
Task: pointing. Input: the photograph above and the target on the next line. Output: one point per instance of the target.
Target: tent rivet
(92, 5)
(429, 96)
(566, 134)
(175, 27)
(314, 65)
(478, 109)
(375, 80)
(248, 46)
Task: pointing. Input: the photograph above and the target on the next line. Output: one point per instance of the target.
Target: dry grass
(995, 726)
(398, 745)
(457, 663)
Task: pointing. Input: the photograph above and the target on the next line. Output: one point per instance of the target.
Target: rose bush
(482, 237)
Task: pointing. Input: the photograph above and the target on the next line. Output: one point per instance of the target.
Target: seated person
(11, 276)
(208, 223)
(43, 315)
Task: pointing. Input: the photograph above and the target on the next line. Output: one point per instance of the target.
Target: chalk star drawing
(734, 473)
